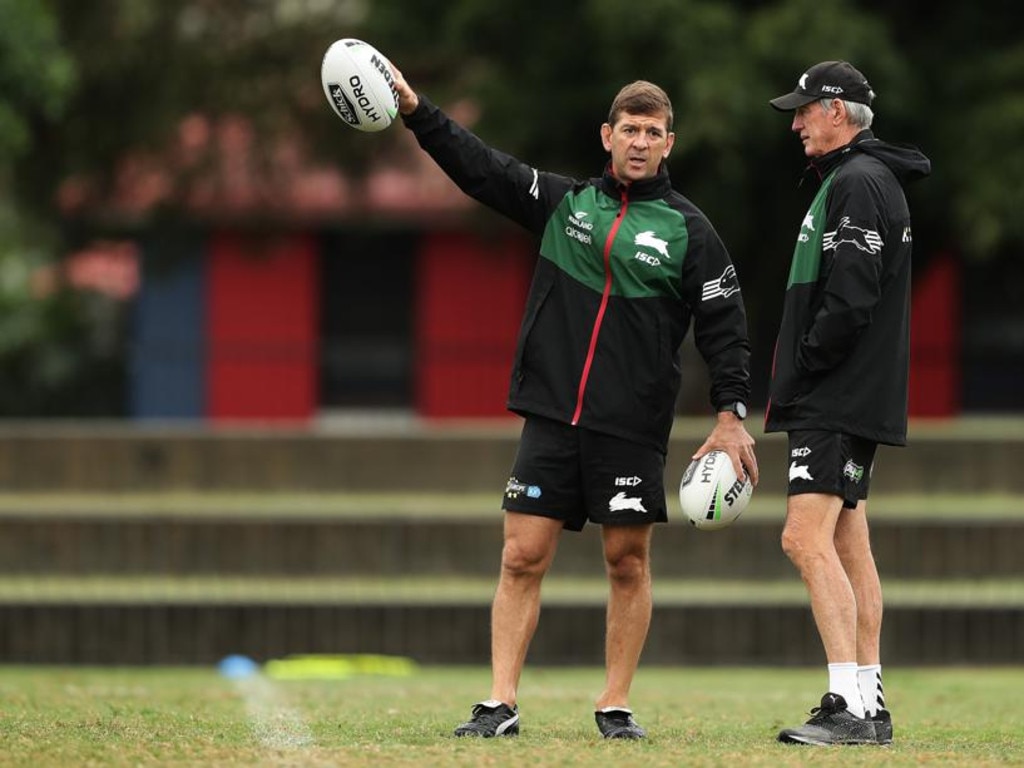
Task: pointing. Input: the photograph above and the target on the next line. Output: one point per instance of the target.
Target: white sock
(871, 692)
(842, 679)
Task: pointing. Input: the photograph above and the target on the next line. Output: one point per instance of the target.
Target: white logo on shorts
(621, 502)
(799, 472)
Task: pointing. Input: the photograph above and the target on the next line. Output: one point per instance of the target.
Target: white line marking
(273, 722)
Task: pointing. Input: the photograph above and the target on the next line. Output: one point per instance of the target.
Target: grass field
(696, 717)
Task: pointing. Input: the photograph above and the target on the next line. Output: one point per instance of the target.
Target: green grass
(696, 717)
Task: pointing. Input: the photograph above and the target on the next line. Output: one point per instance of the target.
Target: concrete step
(434, 591)
(965, 455)
(420, 535)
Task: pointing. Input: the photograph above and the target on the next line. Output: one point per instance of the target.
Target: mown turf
(696, 717)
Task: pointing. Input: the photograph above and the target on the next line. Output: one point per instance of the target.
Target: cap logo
(803, 81)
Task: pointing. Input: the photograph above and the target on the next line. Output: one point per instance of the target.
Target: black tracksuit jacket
(842, 357)
(622, 270)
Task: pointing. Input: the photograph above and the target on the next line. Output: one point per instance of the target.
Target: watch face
(739, 408)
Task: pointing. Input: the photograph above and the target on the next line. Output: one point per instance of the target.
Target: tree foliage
(35, 74)
(948, 75)
(544, 74)
(83, 83)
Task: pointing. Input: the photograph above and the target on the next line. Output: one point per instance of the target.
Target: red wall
(262, 318)
(262, 309)
(471, 289)
(935, 340)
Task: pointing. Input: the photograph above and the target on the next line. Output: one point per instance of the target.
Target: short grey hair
(860, 114)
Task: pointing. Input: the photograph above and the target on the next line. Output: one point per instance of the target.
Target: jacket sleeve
(499, 181)
(855, 231)
(712, 290)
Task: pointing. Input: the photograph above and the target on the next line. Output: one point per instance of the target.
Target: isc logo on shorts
(627, 482)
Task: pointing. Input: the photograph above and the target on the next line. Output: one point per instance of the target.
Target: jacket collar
(824, 165)
(654, 188)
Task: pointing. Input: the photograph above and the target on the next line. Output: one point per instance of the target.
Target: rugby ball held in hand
(711, 495)
(359, 85)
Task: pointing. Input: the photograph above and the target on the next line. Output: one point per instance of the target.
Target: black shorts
(832, 463)
(574, 475)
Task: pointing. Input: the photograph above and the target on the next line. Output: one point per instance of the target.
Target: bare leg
(853, 544)
(627, 560)
(530, 545)
(808, 539)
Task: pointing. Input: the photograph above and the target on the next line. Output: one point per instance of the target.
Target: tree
(41, 352)
(83, 86)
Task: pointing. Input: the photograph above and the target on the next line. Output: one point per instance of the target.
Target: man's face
(638, 144)
(818, 128)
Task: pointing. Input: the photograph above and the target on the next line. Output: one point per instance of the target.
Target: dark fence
(284, 546)
(459, 634)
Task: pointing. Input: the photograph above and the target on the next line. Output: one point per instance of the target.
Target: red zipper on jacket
(775, 355)
(601, 310)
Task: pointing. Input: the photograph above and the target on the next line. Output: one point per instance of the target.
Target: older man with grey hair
(839, 382)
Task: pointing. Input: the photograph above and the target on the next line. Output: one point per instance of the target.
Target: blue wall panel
(168, 348)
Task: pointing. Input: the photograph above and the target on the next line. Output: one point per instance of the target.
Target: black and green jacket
(843, 353)
(622, 270)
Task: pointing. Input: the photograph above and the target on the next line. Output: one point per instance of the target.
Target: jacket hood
(907, 163)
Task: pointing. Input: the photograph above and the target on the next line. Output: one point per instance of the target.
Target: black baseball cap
(827, 80)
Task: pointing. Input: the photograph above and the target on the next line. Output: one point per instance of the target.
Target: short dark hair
(641, 98)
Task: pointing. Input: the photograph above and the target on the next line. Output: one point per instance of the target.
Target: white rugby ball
(711, 495)
(359, 85)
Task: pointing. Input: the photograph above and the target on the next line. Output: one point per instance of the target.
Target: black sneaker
(831, 723)
(618, 723)
(883, 726)
(491, 718)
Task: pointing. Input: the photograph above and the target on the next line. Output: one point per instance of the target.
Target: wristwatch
(739, 408)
